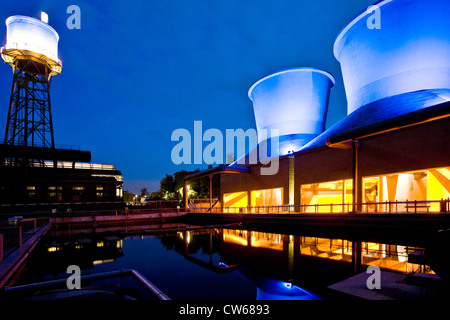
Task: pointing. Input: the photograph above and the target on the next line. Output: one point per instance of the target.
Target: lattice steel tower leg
(29, 121)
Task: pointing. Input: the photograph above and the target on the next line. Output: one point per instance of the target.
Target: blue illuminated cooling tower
(294, 102)
(393, 48)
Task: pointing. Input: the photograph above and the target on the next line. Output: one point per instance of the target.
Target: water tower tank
(31, 38)
(409, 52)
(293, 101)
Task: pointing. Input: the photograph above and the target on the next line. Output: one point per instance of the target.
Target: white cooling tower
(395, 47)
(293, 101)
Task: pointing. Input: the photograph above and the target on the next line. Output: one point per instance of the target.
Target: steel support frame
(29, 121)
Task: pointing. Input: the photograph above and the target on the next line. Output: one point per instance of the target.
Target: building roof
(374, 114)
(215, 170)
(386, 114)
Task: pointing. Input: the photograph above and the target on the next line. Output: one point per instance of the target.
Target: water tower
(32, 51)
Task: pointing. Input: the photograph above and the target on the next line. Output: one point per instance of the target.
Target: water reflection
(200, 262)
(281, 264)
(391, 257)
(84, 251)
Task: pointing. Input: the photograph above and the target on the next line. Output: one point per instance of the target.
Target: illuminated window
(99, 188)
(267, 197)
(429, 185)
(99, 194)
(235, 200)
(371, 187)
(333, 196)
(52, 249)
(78, 188)
(31, 191)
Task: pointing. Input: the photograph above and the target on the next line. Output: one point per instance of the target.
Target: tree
(155, 196)
(128, 196)
(167, 187)
(172, 186)
(144, 192)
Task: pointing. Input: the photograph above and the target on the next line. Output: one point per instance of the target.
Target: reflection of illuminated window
(235, 236)
(266, 240)
(386, 256)
(334, 249)
(97, 262)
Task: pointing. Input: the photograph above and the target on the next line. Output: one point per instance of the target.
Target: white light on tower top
(44, 17)
(27, 36)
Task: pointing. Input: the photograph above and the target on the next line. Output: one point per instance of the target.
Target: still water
(217, 263)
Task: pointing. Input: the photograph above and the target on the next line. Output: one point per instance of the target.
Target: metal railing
(29, 288)
(79, 165)
(68, 165)
(57, 146)
(407, 206)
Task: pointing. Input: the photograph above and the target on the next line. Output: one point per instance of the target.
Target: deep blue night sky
(138, 70)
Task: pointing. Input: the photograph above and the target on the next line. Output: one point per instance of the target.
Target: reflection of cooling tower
(293, 101)
(410, 52)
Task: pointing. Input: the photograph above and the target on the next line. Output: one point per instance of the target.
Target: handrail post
(1, 247)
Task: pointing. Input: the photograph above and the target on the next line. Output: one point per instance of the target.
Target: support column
(1, 247)
(210, 192)
(291, 183)
(356, 256)
(356, 179)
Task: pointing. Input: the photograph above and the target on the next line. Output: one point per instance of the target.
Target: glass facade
(267, 197)
(413, 191)
(333, 196)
